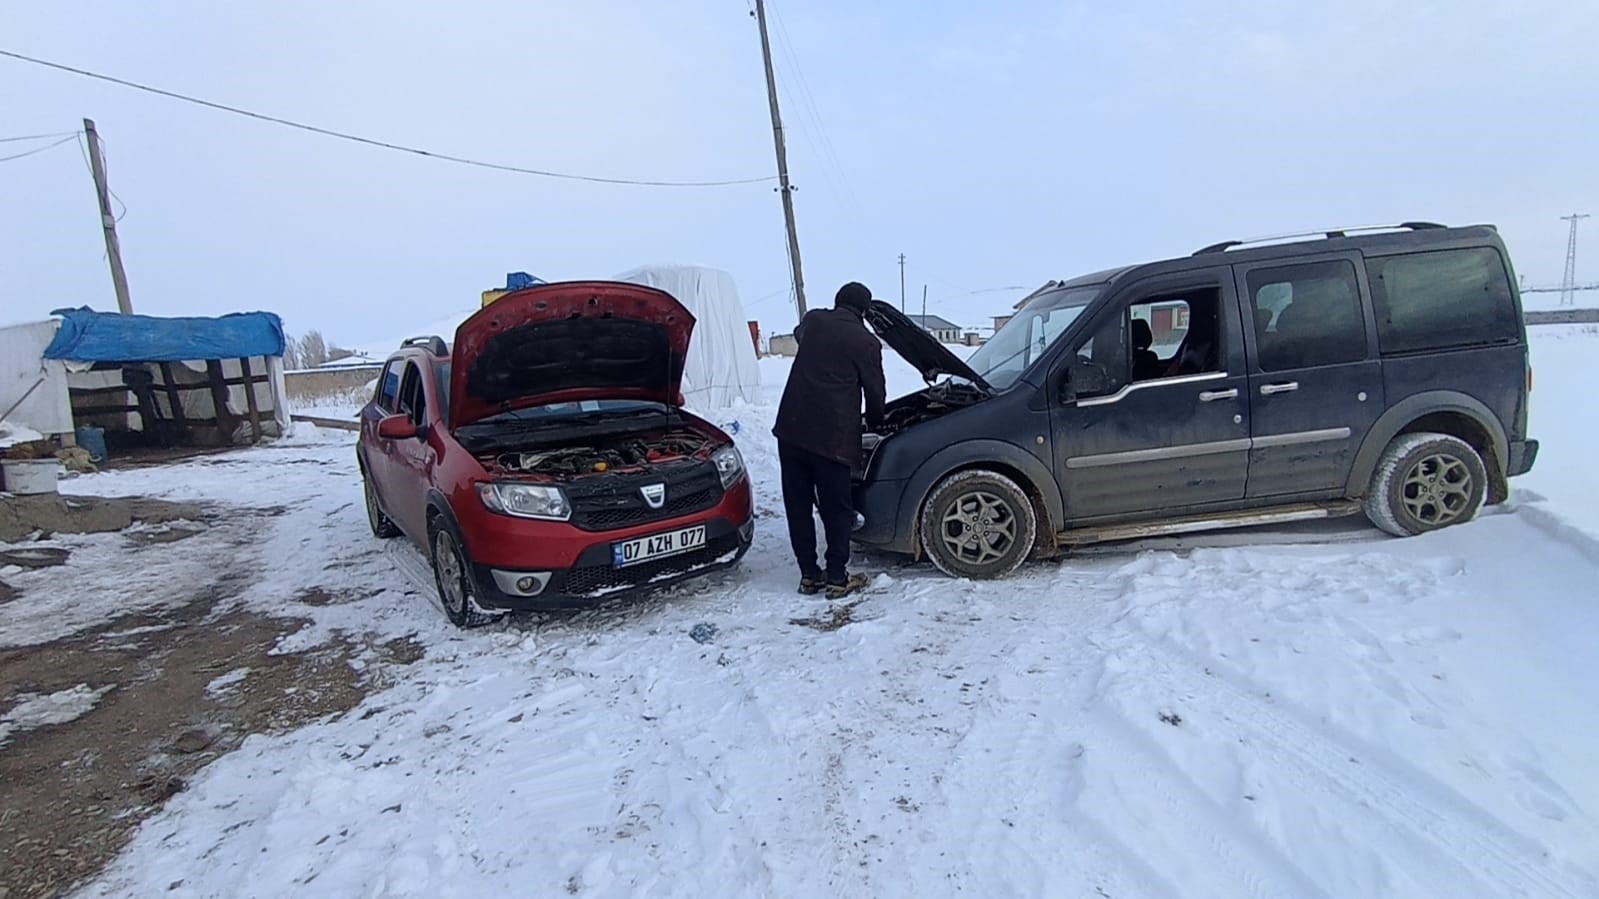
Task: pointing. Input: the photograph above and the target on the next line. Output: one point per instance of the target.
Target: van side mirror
(1088, 379)
(396, 427)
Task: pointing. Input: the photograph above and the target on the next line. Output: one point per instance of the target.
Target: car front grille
(616, 501)
(591, 579)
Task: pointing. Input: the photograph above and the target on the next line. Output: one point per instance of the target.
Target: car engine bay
(924, 405)
(599, 457)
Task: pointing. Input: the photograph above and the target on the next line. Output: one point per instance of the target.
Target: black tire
(452, 574)
(1425, 482)
(382, 527)
(978, 524)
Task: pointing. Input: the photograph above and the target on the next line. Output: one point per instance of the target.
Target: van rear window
(1442, 300)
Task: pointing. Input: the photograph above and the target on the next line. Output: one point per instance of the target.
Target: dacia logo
(654, 495)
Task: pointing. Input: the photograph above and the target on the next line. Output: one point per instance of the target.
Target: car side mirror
(1088, 379)
(396, 427)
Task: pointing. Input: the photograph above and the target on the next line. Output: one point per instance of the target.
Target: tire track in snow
(1476, 855)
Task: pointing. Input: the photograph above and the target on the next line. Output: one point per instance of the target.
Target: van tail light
(1529, 378)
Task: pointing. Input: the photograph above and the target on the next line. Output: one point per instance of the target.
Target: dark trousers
(811, 481)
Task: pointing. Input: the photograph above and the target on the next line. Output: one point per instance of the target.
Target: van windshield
(1029, 334)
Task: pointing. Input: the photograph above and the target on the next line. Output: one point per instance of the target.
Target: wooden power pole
(786, 189)
(108, 222)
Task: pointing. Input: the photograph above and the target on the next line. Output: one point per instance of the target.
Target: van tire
(978, 524)
(1425, 482)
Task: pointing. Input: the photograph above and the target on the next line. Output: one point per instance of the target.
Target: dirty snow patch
(39, 710)
(226, 682)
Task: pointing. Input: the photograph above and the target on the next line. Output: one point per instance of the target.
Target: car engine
(928, 404)
(615, 455)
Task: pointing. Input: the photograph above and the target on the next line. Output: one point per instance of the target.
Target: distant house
(783, 345)
(943, 330)
(972, 338)
(1001, 321)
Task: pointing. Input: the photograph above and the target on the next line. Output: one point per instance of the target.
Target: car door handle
(1211, 396)
(1273, 389)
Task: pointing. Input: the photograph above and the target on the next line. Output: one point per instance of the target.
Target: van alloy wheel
(978, 524)
(1437, 489)
(978, 528)
(1424, 482)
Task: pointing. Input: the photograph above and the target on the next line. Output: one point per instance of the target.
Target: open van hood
(918, 347)
(568, 342)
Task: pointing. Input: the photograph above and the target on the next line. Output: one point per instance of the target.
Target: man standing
(819, 433)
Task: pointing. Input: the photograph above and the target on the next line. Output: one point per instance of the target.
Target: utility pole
(924, 307)
(1569, 283)
(108, 222)
(902, 282)
(786, 189)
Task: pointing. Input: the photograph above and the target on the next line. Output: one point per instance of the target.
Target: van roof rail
(434, 343)
(1226, 245)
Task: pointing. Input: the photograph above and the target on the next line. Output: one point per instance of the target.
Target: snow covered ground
(1309, 712)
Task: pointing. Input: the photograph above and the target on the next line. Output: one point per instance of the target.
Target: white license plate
(656, 546)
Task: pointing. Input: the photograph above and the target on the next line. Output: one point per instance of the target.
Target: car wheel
(1425, 482)
(978, 524)
(452, 574)
(382, 526)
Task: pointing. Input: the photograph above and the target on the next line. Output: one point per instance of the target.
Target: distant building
(783, 345)
(942, 329)
(972, 338)
(1001, 321)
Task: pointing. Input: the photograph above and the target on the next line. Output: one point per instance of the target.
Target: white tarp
(48, 408)
(721, 367)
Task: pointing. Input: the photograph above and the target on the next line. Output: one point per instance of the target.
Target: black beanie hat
(853, 295)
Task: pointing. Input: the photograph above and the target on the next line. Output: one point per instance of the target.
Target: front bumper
(879, 503)
(593, 578)
(1522, 454)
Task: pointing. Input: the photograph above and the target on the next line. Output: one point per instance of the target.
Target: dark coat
(838, 362)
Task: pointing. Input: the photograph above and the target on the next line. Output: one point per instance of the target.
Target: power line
(371, 142)
(9, 140)
(67, 139)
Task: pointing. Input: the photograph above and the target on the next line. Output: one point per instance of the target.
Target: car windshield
(1029, 334)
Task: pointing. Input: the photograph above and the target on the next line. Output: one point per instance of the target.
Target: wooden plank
(219, 398)
(335, 423)
(174, 398)
(249, 399)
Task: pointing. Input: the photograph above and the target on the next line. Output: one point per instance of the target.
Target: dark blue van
(1376, 370)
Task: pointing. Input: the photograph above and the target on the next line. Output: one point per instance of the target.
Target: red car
(546, 461)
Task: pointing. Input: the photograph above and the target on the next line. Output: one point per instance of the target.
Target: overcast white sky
(994, 144)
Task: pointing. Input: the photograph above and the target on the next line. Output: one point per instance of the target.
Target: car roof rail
(1226, 245)
(434, 343)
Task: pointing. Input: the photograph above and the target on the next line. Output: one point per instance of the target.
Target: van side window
(1167, 335)
(1443, 299)
(388, 387)
(413, 397)
(1307, 315)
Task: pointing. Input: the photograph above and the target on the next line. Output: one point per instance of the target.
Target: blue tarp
(89, 336)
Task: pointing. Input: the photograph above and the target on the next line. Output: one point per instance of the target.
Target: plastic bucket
(92, 440)
(30, 476)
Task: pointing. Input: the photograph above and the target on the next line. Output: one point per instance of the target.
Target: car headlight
(729, 464)
(525, 501)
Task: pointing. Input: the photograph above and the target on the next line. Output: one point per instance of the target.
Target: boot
(852, 584)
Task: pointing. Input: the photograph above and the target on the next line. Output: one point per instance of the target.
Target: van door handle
(1273, 389)
(1211, 396)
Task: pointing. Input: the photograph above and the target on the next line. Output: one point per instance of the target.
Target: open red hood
(556, 343)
